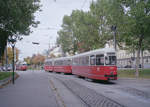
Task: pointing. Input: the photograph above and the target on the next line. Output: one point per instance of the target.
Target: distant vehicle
(6, 67)
(21, 67)
(9, 68)
(128, 66)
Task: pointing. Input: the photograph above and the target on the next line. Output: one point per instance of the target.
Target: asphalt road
(44, 89)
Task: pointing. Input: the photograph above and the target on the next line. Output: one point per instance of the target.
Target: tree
(109, 13)
(81, 31)
(37, 59)
(66, 32)
(138, 19)
(10, 55)
(85, 30)
(28, 60)
(132, 19)
(16, 18)
(91, 30)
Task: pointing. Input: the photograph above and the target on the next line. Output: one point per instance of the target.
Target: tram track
(135, 92)
(88, 96)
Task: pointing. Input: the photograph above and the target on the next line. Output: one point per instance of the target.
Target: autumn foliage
(35, 59)
(10, 56)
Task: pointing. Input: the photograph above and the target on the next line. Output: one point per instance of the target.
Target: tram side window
(80, 61)
(50, 63)
(75, 61)
(55, 63)
(99, 59)
(84, 60)
(60, 62)
(87, 60)
(47, 63)
(64, 62)
(110, 60)
(67, 62)
(92, 59)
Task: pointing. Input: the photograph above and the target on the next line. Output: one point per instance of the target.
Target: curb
(7, 81)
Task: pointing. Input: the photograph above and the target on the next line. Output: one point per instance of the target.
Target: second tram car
(48, 66)
(98, 64)
(63, 65)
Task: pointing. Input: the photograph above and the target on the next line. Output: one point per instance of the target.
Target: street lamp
(12, 42)
(114, 28)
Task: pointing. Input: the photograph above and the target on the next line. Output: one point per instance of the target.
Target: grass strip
(145, 74)
(4, 75)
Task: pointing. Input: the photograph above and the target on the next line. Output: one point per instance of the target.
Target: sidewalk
(31, 89)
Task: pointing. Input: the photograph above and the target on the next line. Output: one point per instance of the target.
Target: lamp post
(114, 28)
(12, 42)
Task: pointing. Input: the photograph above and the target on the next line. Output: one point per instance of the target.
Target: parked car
(9, 67)
(128, 66)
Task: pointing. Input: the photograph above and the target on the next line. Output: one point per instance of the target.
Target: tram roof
(62, 58)
(97, 51)
(59, 58)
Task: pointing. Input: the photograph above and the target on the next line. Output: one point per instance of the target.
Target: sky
(50, 19)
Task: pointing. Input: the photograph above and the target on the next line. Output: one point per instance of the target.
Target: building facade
(126, 59)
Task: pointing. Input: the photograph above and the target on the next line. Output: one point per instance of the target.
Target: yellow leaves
(35, 59)
(10, 55)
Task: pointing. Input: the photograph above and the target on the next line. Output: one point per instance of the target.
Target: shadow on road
(104, 82)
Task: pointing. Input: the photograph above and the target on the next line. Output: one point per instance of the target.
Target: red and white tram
(48, 66)
(98, 64)
(63, 65)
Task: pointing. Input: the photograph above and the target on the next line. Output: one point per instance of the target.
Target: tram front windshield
(110, 60)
